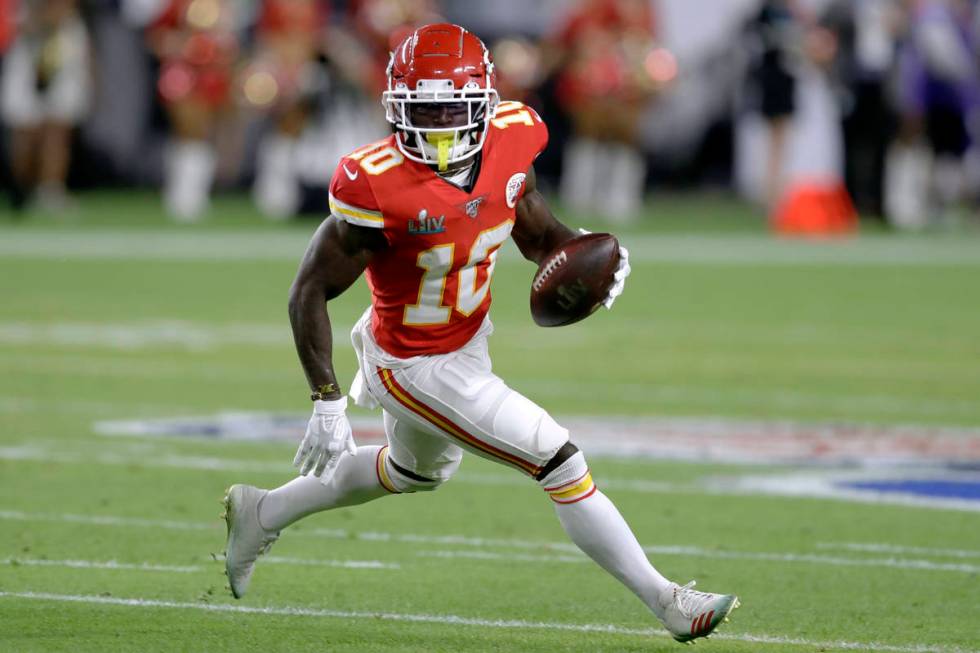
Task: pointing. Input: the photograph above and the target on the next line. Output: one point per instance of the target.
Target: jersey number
(437, 262)
(379, 160)
(512, 113)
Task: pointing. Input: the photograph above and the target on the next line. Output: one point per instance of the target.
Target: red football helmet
(440, 69)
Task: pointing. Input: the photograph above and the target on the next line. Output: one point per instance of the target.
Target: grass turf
(87, 336)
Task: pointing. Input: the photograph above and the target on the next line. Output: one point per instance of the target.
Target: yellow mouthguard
(443, 142)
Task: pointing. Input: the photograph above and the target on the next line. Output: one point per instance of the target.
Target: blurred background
(818, 114)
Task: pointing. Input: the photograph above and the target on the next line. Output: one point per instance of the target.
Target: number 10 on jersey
(437, 262)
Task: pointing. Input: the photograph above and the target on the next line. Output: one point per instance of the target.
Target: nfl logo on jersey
(472, 208)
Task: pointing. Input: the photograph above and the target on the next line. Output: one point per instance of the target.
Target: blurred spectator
(197, 42)
(520, 69)
(282, 78)
(869, 30)
(801, 142)
(45, 93)
(607, 73)
(939, 80)
(778, 35)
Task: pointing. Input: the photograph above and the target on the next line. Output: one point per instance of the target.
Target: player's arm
(537, 231)
(337, 255)
(335, 258)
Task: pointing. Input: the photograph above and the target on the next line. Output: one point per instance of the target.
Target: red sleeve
(521, 129)
(539, 135)
(351, 196)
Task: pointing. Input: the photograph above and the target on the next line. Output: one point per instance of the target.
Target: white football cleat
(247, 540)
(689, 614)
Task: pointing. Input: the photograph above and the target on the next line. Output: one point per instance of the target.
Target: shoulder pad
(523, 122)
(351, 196)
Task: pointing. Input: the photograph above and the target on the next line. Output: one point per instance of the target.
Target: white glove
(328, 435)
(619, 278)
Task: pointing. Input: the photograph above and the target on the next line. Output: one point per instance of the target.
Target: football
(572, 280)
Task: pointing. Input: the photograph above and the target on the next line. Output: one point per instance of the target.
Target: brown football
(572, 280)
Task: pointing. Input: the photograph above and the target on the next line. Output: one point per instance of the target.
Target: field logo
(929, 467)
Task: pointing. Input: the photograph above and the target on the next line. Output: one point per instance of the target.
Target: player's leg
(256, 516)
(594, 524)
(458, 397)
(412, 461)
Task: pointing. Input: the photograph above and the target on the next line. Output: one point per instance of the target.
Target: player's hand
(619, 278)
(328, 436)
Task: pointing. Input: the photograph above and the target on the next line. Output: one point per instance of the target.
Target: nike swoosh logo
(351, 176)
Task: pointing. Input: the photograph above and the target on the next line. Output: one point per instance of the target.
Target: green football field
(794, 422)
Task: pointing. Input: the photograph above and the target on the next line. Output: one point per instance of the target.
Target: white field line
(195, 463)
(94, 564)
(699, 552)
(732, 249)
(537, 545)
(161, 367)
(881, 547)
(11, 404)
(190, 569)
(455, 620)
(143, 335)
(108, 520)
(508, 557)
(342, 564)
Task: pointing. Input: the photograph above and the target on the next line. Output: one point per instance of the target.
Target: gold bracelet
(321, 391)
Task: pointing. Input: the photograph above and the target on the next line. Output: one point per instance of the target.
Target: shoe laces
(690, 601)
(267, 542)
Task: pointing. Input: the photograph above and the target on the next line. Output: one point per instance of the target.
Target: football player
(424, 212)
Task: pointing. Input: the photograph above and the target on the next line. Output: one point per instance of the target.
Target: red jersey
(430, 288)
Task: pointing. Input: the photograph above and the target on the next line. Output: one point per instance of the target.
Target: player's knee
(566, 476)
(403, 479)
(527, 426)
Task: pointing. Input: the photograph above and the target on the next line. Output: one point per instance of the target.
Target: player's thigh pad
(417, 460)
(457, 397)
